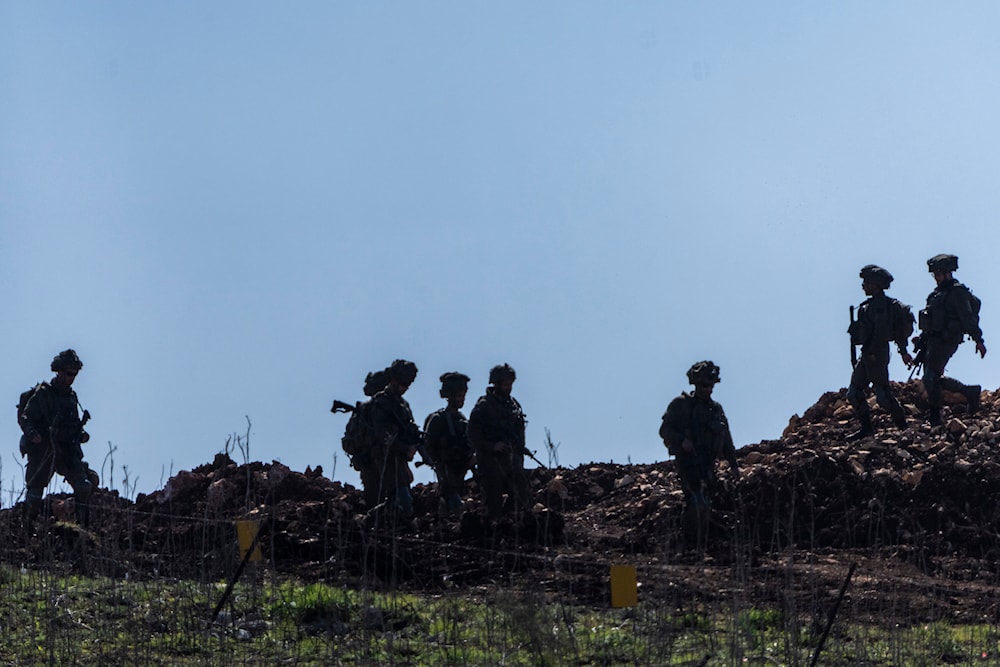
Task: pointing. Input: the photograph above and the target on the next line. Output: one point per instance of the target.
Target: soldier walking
(396, 438)
(696, 432)
(952, 311)
(53, 435)
(446, 438)
(496, 430)
(880, 319)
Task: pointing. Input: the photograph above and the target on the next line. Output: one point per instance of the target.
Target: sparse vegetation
(53, 619)
(142, 585)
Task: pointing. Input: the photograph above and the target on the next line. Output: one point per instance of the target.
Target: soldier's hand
(36, 437)
(687, 446)
(981, 349)
(907, 358)
(84, 437)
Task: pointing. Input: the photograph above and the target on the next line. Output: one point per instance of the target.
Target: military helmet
(876, 275)
(453, 383)
(66, 360)
(375, 382)
(502, 372)
(703, 371)
(942, 262)
(402, 370)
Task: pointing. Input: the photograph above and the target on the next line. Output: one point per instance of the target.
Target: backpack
(358, 434)
(902, 320)
(22, 402)
(974, 301)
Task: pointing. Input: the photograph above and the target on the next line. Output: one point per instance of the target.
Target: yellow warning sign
(246, 532)
(624, 586)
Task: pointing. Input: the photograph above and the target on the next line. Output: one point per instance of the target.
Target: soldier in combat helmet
(952, 311)
(880, 319)
(396, 438)
(53, 432)
(496, 430)
(696, 432)
(446, 435)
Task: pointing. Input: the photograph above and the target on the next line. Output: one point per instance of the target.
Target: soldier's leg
(371, 481)
(490, 483)
(697, 506)
(972, 393)
(76, 472)
(878, 373)
(520, 485)
(450, 482)
(402, 499)
(938, 354)
(856, 396)
(37, 475)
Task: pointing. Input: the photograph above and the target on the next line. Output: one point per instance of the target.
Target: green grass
(48, 619)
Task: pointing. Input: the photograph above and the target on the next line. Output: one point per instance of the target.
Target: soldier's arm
(482, 427)
(729, 448)
(904, 354)
(970, 320)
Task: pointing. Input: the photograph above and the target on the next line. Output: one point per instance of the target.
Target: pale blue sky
(239, 209)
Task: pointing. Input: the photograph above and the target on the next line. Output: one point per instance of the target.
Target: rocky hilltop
(919, 504)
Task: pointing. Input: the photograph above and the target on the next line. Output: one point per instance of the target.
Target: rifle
(854, 349)
(77, 438)
(340, 406)
(921, 353)
(531, 455)
(425, 456)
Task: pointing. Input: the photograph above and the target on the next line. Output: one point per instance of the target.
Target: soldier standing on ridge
(396, 437)
(447, 441)
(696, 432)
(880, 319)
(496, 430)
(359, 442)
(951, 312)
(53, 433)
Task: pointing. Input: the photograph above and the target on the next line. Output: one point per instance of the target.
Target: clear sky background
(236, 210)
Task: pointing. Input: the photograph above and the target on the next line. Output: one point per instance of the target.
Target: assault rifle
(850, 332)
(920, 347)
(340, 406)
(77, 438)
(531, 455)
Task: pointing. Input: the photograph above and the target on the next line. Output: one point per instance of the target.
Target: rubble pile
(926, 496)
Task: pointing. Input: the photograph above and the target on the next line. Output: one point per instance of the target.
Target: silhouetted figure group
(382, 438)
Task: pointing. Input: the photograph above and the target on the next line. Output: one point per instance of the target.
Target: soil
(916, 510)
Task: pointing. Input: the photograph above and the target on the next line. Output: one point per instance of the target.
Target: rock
(623, 481)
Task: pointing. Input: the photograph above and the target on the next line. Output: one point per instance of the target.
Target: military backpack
(22, 402)
(359, 433)
(902, 320)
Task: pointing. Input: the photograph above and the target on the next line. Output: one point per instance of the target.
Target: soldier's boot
(32, 506)
(402, 503)
(866, 429)
(452, 504)
(934, 418)
(899, 420)
(973, 394)
(82, 493)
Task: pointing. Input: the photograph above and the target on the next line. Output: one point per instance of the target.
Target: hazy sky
(236, 210)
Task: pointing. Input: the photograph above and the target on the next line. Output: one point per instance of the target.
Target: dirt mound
(918, 498)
